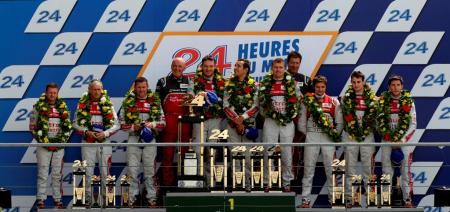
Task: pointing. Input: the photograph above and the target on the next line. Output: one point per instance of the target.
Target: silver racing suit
(146, 155)
(314, 134)
(102, 155)
(45, 158)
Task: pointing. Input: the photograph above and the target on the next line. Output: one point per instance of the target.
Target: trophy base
(79, 208)
(191, 183)
(275, 190)
(110, 206)
(338, 204)
(357, 205)
(239, 190)
(397, 197)
(125, 206)
(96, 205)
(397, 204)
(218, 190)
(257, 190)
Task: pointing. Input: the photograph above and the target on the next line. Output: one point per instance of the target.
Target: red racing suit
(172, 92)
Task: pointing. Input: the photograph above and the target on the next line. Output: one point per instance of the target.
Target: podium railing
(20, 187)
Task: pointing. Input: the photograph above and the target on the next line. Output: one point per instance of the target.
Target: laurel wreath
(290, 97)
(355, 130)
(319, 117)
(394, 135)
(214, 110)
(241, 96)
(83, 111)
(40, 132)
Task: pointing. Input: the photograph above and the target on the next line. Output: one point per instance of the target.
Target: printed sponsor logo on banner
(259, 48)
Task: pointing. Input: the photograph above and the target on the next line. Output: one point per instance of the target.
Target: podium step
(236, 202)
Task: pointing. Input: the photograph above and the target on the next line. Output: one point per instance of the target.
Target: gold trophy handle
(201, 147)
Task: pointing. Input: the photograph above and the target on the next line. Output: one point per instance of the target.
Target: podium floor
(237, 202)
(298, 209)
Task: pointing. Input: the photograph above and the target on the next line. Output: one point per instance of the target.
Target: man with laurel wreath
(241, 106)
(359, 109)
(50, 123)
(321, 121)
(278, 100)
(96, 120)
(209, 83)
(142, 117)
(396, 123)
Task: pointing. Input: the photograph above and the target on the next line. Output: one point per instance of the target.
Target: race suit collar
(319, 97)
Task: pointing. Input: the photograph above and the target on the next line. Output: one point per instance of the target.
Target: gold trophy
(372, 191)
(338, 184)
(125, 191)
(79, 191)
(386, 187)
(238, 158)
(356, 190)
(96, 191)
(189, 178)
(274, 167)
(257, 168)
(110, 197)
(218, 165)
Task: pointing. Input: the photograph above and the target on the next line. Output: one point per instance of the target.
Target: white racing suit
(45, 158)
(136, 154)
(102, 155)
(211, 123)
(273, 132)
(247, 114)
(351, 152)
(315, 134)
(406, 182)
